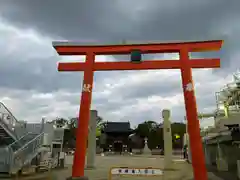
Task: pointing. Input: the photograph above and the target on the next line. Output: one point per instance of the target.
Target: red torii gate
(185, 64)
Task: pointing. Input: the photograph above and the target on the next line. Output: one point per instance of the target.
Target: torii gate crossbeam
(184, 64)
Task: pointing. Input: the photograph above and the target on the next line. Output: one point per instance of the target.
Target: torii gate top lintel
(77, 48)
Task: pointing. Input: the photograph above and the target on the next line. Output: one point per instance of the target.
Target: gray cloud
(113, 22)
(165, 86)
(153, 20)
(33, 66)
(32, 75)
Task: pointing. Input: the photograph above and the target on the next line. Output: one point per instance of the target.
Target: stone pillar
(188, 143)
(167, 134)
(222, 164)
(91, 151)
(238, 168)
(43, 124)
(206, 152)
(189, 151)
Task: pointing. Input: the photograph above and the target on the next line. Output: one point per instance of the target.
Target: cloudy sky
(31, 86)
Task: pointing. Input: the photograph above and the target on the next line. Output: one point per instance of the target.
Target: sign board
(134, 171)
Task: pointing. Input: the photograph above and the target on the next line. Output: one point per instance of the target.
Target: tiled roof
(117, 127)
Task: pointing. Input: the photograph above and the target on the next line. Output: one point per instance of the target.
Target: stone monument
(146, 150)
(167, 134)
(91, 150)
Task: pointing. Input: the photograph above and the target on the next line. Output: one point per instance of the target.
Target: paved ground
(103, 165)
(228, 175)
(181, 170)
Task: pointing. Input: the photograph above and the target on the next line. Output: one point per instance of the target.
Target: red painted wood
(185, 64)
(198, 160)
(74, 49)
(145, 65)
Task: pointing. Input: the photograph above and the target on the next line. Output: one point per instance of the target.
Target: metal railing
(4, 159)
(12, 121)
(21, 141)
(20, 152)
(26, 153)
(25, 147)
(10, 131)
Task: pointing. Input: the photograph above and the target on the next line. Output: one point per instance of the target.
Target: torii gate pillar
(184, 64)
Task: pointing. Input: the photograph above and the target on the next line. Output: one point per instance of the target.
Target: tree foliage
(60, 122)
(70, 132)
(144, 129)
(150, 129)
(154, 132)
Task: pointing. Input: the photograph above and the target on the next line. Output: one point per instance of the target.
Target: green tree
(178, 129)
(155, 138)
(60, 122)
(100, 126)
(152, 131)
(99, 120)
(145, 128)
(70, 134)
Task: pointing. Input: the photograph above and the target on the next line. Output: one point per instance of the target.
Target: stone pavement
(181, 170)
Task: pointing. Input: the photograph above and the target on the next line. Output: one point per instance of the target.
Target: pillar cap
(165, 113)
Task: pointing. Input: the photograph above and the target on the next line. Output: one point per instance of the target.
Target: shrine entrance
(185, 64)
(118, 146)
